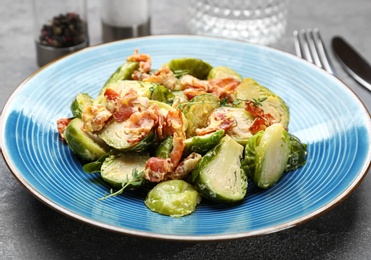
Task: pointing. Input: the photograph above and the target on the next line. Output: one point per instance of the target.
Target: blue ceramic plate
(325, 114)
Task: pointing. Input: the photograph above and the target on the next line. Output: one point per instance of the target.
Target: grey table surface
(31, 230)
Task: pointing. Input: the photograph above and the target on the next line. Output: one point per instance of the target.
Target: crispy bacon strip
(184, 168)
(123, 107)
(193, 86)
(157, 168)
(145, 61)
(141, 123)
(261, 121)
(95, 117)
(62, 124)
(165, 77)
(223, 88)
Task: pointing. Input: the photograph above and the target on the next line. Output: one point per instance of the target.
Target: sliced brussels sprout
(117, 169)
(95, 166)
(266, 155)
(240, 132)
(175, 198)
(219, 176)
(144, 89)
(85, 145)
(195, 67)
(116, 135)
(223, 72)
(273, 104)
(124, 72)
(202, 144)
(162, 94)
(165, 147)
(198, 110)
(298, 154)
(81, 101)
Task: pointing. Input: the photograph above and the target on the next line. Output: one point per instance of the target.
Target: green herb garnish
(137, 179)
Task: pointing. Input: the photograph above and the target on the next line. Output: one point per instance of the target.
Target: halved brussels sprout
(298, 153)
(240, 132)
(202, 144)
(81, 101)
(116, 135)
(117, 170)
(219, 176)
(273, 104)
(266, 155)
(223, 72)
(198, 110)
(162, 94)
(124, 72)
(195, 67)
(85, 145)
(175, 198)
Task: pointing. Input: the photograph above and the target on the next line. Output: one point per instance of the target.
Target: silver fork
(309, 46)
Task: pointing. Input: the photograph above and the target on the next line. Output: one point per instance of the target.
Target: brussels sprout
(85, 145)
(219, 176)
(195, 67)
(223, 72)
(202, 144)
(240, 132)
(165, 148)
(96, 166)
(273, 104)
(162, 94)
(266, 155)
(298, 153)
(117, 169)
(198, 110)
(174, 198)
(144, 89)
(81, 101)
(116, 135)
(124, 72)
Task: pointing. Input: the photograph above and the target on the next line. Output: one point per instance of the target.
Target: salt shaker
(60, 27)
(123, 19)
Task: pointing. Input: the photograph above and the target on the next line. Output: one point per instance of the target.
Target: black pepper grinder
(60, 28)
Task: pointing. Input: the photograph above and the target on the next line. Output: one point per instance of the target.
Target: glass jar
(60, 27)
(123, 19)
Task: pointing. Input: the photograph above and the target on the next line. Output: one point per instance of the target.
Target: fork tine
(309, 45)
(326, 64)
(313, 47)
(303, 50)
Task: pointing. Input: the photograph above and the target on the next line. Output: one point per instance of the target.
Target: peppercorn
(64, 30)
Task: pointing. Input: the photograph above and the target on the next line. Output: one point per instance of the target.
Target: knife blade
(353, 63)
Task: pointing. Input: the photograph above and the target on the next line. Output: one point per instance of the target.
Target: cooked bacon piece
(193, 86)
(145, 61)
(157, 168)
(141, 123)
(220, 119)
(95, 117)
(261, 121)
(223, 88)
(165, 77)
(184, 168)
(123, 105)
(62, 124)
